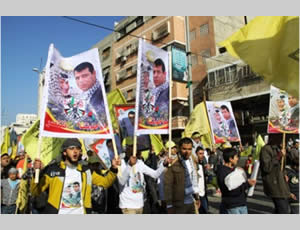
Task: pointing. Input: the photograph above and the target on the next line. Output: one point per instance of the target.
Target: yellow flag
(22, 198)
(115, 97)
(259, 144)
(199, 122)
(6, 142)
(14, 151)
(157, 143)
(270, 46)
(50, 147)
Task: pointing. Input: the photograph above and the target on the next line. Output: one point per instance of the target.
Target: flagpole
(170, 103)
(283, 147)
(37, 171)
(134, 151)
(204, 100)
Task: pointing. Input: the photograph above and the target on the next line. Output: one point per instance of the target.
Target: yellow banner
(270, 46)
(6, 142)
(198, 122)
(50, 147)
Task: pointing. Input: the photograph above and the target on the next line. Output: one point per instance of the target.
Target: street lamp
(39, 89)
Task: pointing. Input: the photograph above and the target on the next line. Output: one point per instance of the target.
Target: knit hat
(12, 171)
(70, 142)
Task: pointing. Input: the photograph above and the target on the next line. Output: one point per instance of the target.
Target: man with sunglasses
(58, 179)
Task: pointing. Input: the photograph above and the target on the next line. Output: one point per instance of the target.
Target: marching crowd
(174, 183)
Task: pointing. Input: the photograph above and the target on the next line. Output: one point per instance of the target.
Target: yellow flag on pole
(199, 122)
(270, 46)
(6, 142)
(115, 97)
(50, 147)
(259, 144)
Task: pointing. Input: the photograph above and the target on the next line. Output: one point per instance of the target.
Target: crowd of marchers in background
(175, 183)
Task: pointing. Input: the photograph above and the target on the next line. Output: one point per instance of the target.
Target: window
(130, 27)
(246, 71)
(230, 73)
(129, 71)
(105, 53)
(139, 20)
(204, 30)
(194, 59)
(211, 80)
(220, 76)
(192, 35)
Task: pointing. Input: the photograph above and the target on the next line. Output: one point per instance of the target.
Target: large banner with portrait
(222, 122)
(74, 98)
(283, 112)
(153, 84)
(125, 114)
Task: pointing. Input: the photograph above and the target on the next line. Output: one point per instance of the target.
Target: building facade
(166, 32)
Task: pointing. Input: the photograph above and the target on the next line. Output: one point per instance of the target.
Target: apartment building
(215, 74)
(230, 79)
(166, 32)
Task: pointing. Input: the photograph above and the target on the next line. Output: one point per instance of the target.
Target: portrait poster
(283, 112)
(99, 147)
(125, 115)
(222, 122)
(74, 97)
(153, 84)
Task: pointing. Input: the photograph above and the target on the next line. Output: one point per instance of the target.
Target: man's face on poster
(131, 118)
(159, 77)
(146, 79)
(280, 104)
(226, 114)
(292, 101)
(76, 187)
(64, 86)
(217, 117)
(85, 79)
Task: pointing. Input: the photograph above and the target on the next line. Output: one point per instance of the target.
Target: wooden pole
(170, 102)
(37, 171)
(283, 147)
(116, 153)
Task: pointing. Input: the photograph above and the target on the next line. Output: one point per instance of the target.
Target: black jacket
(234, 198)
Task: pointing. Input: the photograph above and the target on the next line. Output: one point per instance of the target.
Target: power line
(132, 35)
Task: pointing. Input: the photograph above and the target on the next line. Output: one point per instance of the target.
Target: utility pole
(188, 53)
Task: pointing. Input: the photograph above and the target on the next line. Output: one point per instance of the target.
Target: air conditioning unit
(123, 58)
(161, 31)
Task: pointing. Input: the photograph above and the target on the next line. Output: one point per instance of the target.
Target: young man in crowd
(233, 183)
(59, 179)
(202, 181)
(181, 182)
(274, 182)
(132, 182)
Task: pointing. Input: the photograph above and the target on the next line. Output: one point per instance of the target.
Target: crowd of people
(163, 183)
